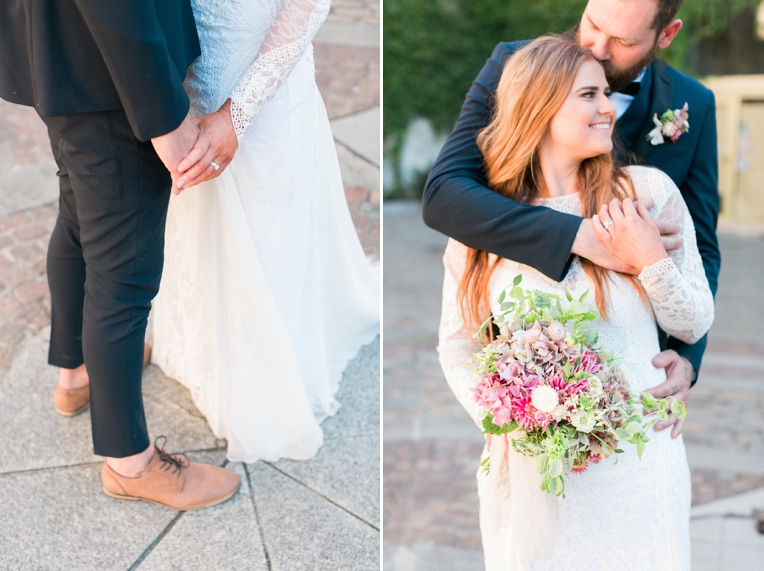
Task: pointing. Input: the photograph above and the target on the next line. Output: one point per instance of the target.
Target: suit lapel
(629, 125)
(661, 99)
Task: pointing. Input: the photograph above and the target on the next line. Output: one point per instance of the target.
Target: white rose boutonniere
(670, 126)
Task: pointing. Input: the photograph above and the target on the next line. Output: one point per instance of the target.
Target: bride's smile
(583, 125)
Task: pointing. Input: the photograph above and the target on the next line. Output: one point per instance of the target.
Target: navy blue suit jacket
(458, 203)
(66, 57)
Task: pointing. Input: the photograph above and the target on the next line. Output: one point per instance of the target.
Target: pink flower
(579, 467)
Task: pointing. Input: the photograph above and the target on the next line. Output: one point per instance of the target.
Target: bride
(549, 142)
(266, 292)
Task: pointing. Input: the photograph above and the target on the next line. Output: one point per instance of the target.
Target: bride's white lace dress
(266, 292)
(633, 515)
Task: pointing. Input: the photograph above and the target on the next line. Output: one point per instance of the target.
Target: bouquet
(545, 376)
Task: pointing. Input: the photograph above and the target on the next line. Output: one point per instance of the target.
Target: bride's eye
(589, 94)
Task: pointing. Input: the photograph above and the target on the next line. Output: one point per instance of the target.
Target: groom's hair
(667, 9)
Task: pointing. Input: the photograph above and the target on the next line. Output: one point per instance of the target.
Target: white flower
(595, 387)
(583, 421)
(557, 331)
(560, 412)
(545, 398)
(669, 129)
(656, 135)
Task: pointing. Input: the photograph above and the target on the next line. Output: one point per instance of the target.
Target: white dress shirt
(621, 101)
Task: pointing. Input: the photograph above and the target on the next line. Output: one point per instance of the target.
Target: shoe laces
(174, 462)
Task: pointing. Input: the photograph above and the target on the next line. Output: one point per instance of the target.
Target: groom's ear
(668, 34)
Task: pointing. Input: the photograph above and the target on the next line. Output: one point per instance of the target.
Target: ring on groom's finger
(216, 166)
(607, 224)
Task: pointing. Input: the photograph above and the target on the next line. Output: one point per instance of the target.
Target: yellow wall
(740, 126)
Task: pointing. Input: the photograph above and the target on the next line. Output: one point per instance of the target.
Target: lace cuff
(287, 41)
(652, 275)
(677, 286)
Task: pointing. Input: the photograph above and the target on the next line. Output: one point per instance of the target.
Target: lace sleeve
(455, 346)
(677, 286)
(286, 42)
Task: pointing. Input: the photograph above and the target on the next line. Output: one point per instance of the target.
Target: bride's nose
(606, 106)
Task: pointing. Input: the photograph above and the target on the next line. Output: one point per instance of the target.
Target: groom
(107, 79)
(624, 35)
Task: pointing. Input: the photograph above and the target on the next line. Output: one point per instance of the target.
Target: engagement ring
(608, 224)
(216, 166)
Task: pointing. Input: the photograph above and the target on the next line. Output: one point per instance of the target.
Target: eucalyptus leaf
(679, 409)
(555, 468)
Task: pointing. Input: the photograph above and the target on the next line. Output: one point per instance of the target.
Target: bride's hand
(632, 234)
(216, 145)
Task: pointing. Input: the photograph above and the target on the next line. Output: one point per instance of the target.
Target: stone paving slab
(35, 436)
(428, 557)
(359, 397)
(723, 533)
(360, 132)
(28, 186)
(345, 34)
(58, 520)
(303, 531)
(229, 533)
(345, 471)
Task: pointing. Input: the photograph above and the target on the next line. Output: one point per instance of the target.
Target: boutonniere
(670, 126)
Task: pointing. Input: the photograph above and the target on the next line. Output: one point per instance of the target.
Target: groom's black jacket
(458, 203)
(66, 57)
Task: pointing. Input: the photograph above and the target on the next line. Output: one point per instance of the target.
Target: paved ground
(431, 447)
(317, 515)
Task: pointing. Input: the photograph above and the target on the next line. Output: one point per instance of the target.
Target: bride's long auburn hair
(533, 86)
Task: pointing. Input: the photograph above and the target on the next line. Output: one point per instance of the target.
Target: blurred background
(433, 49)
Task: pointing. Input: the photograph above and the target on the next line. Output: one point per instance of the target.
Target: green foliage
(433, 49)
(490, 428)
(702, 19)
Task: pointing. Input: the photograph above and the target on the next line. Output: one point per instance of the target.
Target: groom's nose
(600, 47)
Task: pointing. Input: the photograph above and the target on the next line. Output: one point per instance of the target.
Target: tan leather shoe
(173, 481)
(71, 402)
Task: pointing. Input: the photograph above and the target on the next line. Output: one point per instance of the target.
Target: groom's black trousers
(104, 265)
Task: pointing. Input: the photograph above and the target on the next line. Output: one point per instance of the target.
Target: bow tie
(631, 89)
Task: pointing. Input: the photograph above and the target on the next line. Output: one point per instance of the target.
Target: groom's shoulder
(687, 86)
(504, 50)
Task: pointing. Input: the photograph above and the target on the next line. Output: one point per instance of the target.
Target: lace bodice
(249, 47)
(676, 287)
(681, 302)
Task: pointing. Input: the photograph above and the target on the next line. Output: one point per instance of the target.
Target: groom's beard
(618, 78)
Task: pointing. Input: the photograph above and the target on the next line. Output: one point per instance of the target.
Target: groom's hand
(680, 373)
(175, 145)
(216, 146)
(588, 245)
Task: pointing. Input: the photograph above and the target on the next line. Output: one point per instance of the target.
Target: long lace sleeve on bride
(677, 286)
(286, 42)
(455, 345)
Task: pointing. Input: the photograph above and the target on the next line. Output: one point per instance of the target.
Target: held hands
(588, 244)
(631, 234)
(216, 145)
(173, 146)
